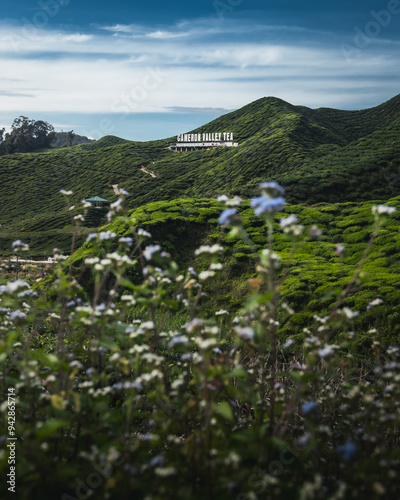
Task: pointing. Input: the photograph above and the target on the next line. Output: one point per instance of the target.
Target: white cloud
(164, 35)
(76, 37)
(119, 28)
(146, 69)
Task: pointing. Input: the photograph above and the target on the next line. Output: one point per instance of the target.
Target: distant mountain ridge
(318, 155)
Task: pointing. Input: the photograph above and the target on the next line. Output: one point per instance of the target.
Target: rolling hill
(321, 155)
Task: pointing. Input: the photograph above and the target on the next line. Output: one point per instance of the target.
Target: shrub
(132, 391)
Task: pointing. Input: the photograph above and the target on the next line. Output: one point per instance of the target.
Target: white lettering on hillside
(205, 137)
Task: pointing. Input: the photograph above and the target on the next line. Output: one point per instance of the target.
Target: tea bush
(136, 387)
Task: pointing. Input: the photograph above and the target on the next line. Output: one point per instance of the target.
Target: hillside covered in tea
(318, 155)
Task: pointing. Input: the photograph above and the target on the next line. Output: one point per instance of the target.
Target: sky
(153, 69)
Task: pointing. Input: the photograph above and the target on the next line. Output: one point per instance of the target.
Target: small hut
(98, 202)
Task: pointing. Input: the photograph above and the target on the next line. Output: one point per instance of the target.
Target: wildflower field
(203, 349)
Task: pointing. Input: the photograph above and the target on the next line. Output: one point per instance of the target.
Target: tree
(71, 137)
(1, 134)
(27, 135)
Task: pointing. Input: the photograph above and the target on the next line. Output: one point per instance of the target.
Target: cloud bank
(192, 65)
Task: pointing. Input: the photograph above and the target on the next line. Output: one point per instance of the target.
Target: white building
(194, 142)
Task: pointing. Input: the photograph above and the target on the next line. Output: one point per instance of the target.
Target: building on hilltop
(195, 142)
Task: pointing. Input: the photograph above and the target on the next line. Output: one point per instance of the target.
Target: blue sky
(154, 69)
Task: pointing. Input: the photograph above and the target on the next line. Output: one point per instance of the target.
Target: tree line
(26, 135)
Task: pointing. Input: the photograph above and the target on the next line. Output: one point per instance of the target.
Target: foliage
(120, 398)
(27, 135)
(64, 139)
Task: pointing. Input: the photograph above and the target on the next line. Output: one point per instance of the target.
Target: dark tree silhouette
(27, 135)
(71, 136)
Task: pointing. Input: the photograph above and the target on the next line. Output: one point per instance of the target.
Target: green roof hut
(99, 202)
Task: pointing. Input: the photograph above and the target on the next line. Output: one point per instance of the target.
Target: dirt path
(147, 172)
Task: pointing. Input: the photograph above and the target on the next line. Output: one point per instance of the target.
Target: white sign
(221, 136)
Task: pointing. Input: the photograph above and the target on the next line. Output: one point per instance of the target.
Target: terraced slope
(318, 155)
(309, 278)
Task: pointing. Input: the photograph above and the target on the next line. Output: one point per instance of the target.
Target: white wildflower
(383, 209)
(19, 245)
(205, 275)
(17, 315)
(91, 236)
(127, 240)
(288, 221)
(106, 235)
(221, 312)
(178, 340)
(116, 204)
(315, 232)
(209, 249)
(205, 343)
(349, 313)
(127, 298)
(373, 303)
(326, 351)
(142, 232)
(13, 286)
(246, 333)
(234, 202)
(165, 471)
(289, 343)
(195, 323)
(148, 325)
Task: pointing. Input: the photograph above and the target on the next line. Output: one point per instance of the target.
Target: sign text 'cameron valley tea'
(221, 136)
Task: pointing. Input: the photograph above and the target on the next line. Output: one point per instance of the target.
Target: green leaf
(262, 299)
(130, 285)
(224, 410)
(238, 372)
(50, 427)
(109, 344)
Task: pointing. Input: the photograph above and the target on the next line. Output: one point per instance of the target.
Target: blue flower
(308, 407)
(263, 204)
(150, 250)
(347, 450)
(226, 215)
(274, 186)
(340, 249)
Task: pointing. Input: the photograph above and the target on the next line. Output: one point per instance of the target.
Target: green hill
(318, 155)
(315, 271)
